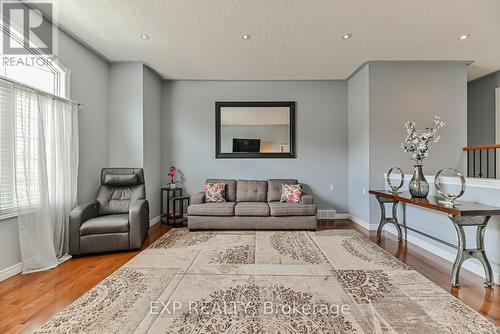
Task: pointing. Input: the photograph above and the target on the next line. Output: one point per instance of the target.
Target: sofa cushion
(292, 209)
(215, 193)
(291, 193)
(212, 209)
(105, 224)
(251, 191)
(274, 188)
(251, 209)
(230, 188)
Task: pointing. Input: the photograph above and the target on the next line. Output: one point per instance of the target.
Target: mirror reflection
(255, 130)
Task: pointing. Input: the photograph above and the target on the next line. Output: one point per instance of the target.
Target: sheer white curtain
(46, 165)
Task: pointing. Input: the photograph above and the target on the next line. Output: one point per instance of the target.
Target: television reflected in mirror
(255, 129)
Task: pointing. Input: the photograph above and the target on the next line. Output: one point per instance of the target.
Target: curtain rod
(17, 83)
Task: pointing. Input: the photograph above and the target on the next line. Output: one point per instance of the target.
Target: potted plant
(171, 173)
(416, 144)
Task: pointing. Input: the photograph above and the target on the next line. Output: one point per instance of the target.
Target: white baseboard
(447, 254)
(18, 268)
(154, 220)
(443, 253)
(342, 216)
(357, 220)
(11, 271)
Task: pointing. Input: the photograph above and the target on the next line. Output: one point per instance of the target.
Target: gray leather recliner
(117, 220)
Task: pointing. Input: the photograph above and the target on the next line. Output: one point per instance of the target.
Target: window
(45, 76)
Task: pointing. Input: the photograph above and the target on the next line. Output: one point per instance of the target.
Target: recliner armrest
(198, 198)
(77, 217)
(307, 199)
(138, 217)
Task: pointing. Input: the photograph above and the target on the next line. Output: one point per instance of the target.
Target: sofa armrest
(307, 199)
(77, 217)
(198, 198)
(138, 218)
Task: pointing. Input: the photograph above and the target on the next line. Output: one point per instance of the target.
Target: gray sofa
(250, 205)
(117, 220)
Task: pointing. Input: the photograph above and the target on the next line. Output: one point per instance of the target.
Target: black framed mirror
(255, 129)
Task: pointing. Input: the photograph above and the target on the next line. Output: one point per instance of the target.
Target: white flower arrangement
(416, 143)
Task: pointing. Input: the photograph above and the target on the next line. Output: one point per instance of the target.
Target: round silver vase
(419, 187)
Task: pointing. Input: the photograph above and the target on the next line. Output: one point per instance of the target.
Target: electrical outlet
(364, 191)
(331, 187)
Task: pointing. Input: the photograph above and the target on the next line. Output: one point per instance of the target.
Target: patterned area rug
(332, 281)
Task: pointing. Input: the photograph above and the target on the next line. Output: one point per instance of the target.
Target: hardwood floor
(28, 301)
(472, 292)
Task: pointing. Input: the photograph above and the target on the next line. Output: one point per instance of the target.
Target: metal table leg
(464, 253)
(388, 220)
(161, 205)
(404, 221)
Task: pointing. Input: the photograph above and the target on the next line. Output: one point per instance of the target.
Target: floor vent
(326, 214)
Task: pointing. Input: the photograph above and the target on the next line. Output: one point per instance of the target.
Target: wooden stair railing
(486, 162)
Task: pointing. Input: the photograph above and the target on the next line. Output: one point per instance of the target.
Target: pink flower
(172, 171)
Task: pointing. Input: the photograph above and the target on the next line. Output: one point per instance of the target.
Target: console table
(461, 215)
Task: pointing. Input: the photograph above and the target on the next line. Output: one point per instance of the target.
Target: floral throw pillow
(291, 193)
(215, 192)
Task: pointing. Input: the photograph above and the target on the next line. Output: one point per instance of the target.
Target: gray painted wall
(152, 139)
(135, 114)
(9, 243)
(89, 85)
(417, 91)
(401, 91)
(126, 115)
(481, 110)
(189, 134)
(359, 164)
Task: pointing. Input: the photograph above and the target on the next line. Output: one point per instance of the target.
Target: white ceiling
(290, 39)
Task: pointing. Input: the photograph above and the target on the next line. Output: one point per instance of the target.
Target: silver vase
(419, 187)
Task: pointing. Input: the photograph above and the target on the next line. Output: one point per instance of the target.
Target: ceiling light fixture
(145, 36)
(465, 36)
(347, 36)
(246, 36)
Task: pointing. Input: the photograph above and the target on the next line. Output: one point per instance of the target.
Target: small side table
(176, 218)
(170, 194)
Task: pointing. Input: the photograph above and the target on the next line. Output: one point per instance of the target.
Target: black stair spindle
(487, 163)
(468, 163)
(474, 163)
(480, 163)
